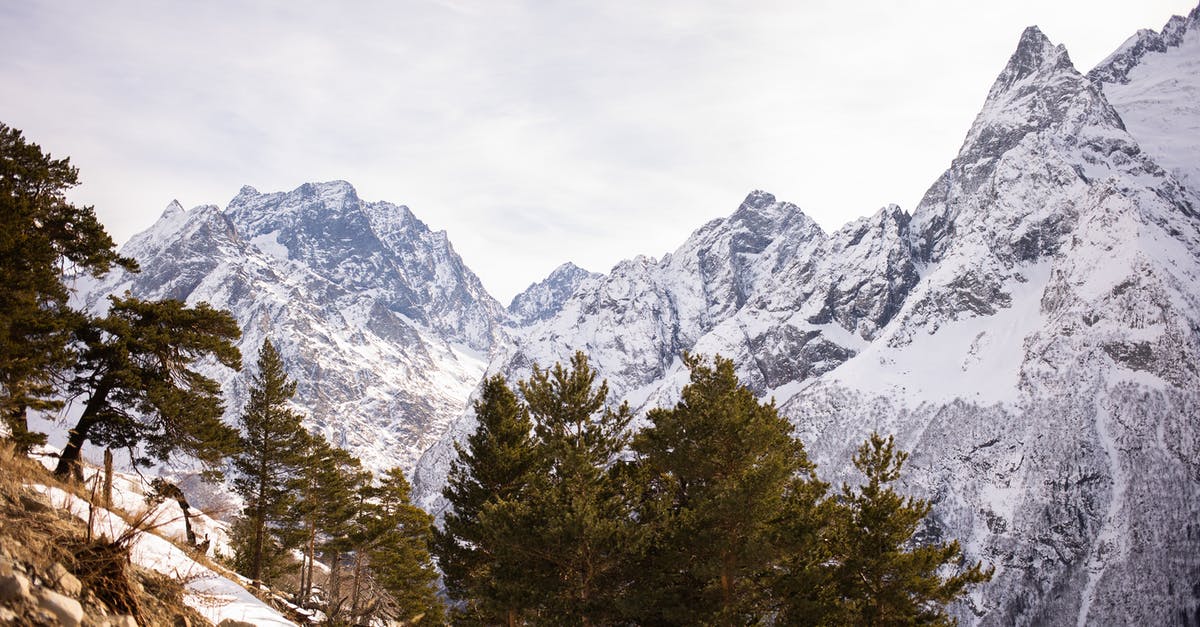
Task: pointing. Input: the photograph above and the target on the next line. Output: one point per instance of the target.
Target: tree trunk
(333, 605)
(358, 564)
(307, 573)
(726, 582)
(69, 464)
(18, 431)
(108, 478)
(256, 562)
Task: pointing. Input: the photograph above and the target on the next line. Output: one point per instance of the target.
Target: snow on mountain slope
(1153, 81)
(546, 297)
(376, 317)
(1030, 333)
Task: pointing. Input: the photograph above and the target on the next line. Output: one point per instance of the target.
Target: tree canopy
(44, 240)
(137, 370)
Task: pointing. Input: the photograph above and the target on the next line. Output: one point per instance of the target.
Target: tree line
(559, 514)
(712, 514)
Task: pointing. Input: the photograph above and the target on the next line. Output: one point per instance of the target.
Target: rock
(68, 611)
(66, 582)
(182, 621)
(229, 622)
(35, 504)
(121, 621)
(14, 588)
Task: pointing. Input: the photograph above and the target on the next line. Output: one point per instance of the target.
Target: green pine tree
(575, 520)
(324, 507)
(493, 469)
(879, 574)
(723, 475)
(44, 240)
(137, 372)
(271, 453)
(398, 553)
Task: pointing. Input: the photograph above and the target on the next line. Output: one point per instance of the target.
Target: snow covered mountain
(1153, 81)
(378, 320)
(546, 297)
(1031, 332)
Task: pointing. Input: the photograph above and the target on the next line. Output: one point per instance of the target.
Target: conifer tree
(723, 473)
(576, 517)
(324, 507)
(43, 241)
(493, 470)
(880, 576)
(137, 371)
(272, 444)
(398, 552)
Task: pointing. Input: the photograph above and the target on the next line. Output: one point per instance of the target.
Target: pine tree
(723, 474)
(324, 508)
(272, 444)
(576, 518)
(137, 372)
(493, 469)
(398, 553)
(880, 575)
(44, 240)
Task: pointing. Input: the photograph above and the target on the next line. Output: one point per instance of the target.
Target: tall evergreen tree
(880, 576)
(44, 240)
(398, 553)
(723, 473)
(137, 372)
(324, 508)
(494, 468)
(577, 516)
(271, 453)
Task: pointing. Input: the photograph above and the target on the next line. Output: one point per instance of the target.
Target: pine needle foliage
(492, 470)
(577, 515)
(137, 370)
(722, 471)
(881, 576)
(44, 241)
(270, 455)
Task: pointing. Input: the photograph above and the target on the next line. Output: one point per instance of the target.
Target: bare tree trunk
(333, 604)
(108, 477)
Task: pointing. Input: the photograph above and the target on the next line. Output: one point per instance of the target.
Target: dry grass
(38, 535)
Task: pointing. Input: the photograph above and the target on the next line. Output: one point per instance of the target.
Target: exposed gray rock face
(378, 320)
(546, 297)
(1030, 333)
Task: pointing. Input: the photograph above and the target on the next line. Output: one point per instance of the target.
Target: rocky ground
(53, 573)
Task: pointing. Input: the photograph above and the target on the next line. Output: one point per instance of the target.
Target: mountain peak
(173, 209)
(758, 199)
(545, 298)
(1116, 67)
(1035, 53)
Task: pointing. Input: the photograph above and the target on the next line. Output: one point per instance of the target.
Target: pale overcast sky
(533, 132)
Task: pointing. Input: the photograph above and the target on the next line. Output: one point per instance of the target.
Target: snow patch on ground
(216, 597)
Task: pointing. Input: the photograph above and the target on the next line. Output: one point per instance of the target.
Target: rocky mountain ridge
(384, 327)
(1029, 332)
